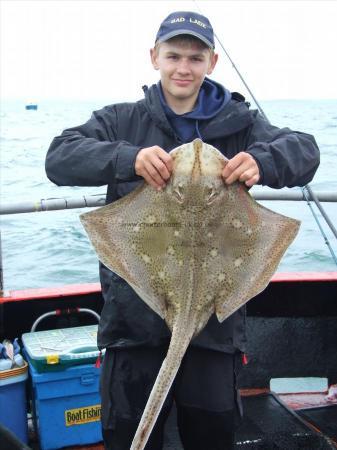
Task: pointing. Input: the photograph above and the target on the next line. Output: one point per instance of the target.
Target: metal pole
(326, 240)
(90, 201)
(320, 207)
(53, 204)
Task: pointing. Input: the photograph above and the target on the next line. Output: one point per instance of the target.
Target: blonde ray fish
(195, 248)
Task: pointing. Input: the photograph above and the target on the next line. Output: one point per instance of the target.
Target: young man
(120, 146)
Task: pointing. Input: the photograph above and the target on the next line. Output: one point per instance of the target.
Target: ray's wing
(133, 237)
(249, 242)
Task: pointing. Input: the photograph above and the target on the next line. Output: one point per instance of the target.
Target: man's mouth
(182, 82)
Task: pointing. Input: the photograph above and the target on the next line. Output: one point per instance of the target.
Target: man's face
(183, 67)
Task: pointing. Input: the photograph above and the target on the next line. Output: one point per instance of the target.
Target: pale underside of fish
(195, 248)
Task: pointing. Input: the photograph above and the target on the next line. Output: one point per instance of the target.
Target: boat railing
(96, 200)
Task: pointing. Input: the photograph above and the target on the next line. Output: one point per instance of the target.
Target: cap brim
(172, 34)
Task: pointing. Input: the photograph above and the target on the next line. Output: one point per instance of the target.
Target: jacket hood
(212, 98)
(228, 114)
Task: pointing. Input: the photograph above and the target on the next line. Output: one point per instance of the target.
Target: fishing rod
(306, 190)
(326, 240)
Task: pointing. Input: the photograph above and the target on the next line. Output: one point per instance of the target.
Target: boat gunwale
(92, 288)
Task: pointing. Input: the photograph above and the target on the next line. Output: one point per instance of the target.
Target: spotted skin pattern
(196, 248)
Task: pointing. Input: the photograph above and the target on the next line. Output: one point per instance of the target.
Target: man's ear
(212, 63)
(153, 54)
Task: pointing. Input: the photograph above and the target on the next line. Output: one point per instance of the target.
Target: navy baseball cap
(186, 22)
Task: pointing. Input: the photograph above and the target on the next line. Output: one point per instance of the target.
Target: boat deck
(284, 422)
(291, 330)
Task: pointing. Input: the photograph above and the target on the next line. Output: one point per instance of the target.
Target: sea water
(51, 248)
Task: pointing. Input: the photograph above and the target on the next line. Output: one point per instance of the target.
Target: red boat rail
(50, 292)
(89, 288)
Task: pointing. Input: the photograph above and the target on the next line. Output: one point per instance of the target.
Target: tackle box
(54, 350)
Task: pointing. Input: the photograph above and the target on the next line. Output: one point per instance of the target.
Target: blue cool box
(66, 406)
(13, 407)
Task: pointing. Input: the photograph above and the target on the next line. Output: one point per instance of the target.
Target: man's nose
(183, 67)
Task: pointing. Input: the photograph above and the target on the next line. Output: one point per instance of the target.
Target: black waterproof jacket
(103, 152)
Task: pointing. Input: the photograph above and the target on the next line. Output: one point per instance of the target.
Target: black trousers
(207, 401)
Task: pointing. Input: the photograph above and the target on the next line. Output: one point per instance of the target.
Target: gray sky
(84, 49)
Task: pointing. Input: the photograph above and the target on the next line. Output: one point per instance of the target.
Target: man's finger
(161, 168)
(167, 160)
(151, 181)
(247, 174)
(241, 167)
(154, 174)
(251, 181)
(154, 165)
(238, 172)
(232, 165)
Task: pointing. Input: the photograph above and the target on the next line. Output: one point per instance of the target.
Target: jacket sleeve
(90, 155)
(285, 157)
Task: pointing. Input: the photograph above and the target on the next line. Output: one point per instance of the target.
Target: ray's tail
(179, 342)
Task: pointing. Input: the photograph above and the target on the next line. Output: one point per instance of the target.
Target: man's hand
(242, 167)
(154, 165)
